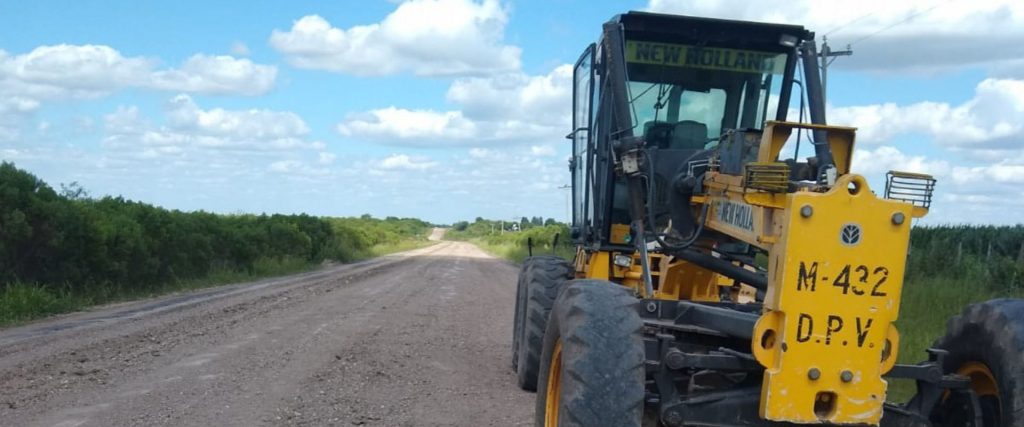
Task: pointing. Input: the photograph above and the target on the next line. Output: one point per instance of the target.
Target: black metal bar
(615, 76)
(676, 359)
(731, 322)
(787, 86)
(724, 268)
(816, 105)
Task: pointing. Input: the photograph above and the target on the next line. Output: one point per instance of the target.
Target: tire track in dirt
(414, 339)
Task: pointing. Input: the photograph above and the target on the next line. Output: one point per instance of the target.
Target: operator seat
(689, 135)
(676, 144)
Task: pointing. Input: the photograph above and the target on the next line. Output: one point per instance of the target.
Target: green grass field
(927, 305)
(22, 302)
(517, 254)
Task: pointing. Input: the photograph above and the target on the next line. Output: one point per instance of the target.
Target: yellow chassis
(835, 271)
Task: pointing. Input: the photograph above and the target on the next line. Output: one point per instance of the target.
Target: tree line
(988, 254)
(993, 255)
(71, 241)
(524, 223)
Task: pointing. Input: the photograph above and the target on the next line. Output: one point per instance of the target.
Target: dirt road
(416, 339)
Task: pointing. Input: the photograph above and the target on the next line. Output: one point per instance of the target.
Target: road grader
(725, 277)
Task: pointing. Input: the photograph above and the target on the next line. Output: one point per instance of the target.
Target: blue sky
(452, 109)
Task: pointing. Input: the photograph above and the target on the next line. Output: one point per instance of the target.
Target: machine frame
(713, 314)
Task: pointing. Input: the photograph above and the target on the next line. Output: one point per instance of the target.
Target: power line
(850, 22)
(901, 22)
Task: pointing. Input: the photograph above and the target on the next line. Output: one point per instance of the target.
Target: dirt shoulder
(419, 338)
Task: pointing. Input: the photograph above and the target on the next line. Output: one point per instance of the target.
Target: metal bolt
(846, 376)
(673, 418)
(898, 218)
(652, 307)
(806, 211)
(674, 359)
(814, 374)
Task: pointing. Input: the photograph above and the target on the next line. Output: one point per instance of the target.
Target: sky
(452, 109)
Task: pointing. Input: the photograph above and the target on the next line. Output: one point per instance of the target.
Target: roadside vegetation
(949, 268)
(63, 250)
(510, 240)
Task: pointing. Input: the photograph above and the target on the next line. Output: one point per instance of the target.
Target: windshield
(699, 93)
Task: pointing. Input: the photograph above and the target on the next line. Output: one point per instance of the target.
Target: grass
(400, 246)
(517, 254)
(22, 302)
(927, 305)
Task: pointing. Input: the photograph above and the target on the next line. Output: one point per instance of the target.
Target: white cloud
(416, 126)
(905, 35)
(239, 49)
(462, 186)
(975, 194)
(125, 120)
(992, 120)
(254, 124)
(325, 158)
(67, 72)
(538, 99)
(216, 75)
(877, 162)
(1005, 172)
(405, 162)
(84, 71)
(186, 125)
(542, 150)
(512, 108)
(284, 166)
(423, 37)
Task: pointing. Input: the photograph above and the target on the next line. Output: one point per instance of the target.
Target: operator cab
(679, 84)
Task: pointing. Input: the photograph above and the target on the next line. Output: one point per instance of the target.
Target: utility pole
(827, 56)
(568, 194)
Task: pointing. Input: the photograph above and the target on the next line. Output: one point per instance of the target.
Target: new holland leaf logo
(850, 234)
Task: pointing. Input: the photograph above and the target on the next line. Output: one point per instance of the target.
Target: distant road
(415, 339)
(437, 234)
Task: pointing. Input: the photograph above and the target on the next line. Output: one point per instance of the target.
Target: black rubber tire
(543, 279)
(517, 320)
(991, 333)
(602, 363)
(520, 310)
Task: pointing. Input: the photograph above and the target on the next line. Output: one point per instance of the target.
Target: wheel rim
(985, 388)
(553, 398)
(983, 382)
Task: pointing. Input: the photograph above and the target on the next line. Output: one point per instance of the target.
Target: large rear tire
(986, 343)
(592, 374)
(517, 322)
(543, 278)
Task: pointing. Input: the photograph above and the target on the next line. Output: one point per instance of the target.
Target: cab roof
(697, 30)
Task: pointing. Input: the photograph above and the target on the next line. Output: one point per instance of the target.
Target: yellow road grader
(724, 277)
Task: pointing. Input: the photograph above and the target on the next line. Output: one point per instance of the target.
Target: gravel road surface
(414, 339)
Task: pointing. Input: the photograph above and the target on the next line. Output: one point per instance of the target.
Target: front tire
(543, 278)
(986, 344)
(592, 370)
